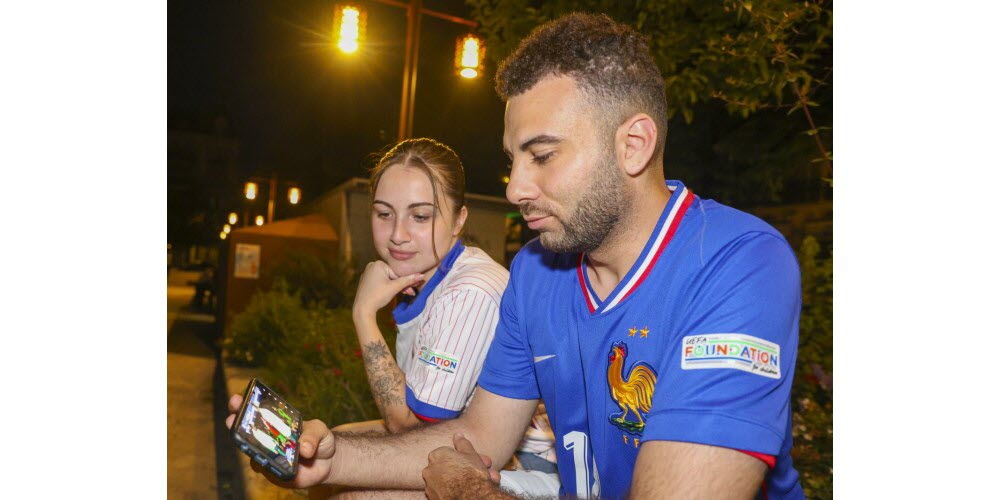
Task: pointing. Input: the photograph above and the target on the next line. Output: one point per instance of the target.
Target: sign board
(247, 261)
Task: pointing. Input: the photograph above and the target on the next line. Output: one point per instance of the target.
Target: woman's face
(402, 221)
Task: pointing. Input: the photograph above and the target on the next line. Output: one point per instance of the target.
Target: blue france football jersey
(696, 344)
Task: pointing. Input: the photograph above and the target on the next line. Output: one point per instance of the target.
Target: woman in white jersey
(451, 297)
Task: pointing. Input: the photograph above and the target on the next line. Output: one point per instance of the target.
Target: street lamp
(250, 191)
(344, 23)
(469, 52)
(349, 25)
(233, 218)
(259, 220)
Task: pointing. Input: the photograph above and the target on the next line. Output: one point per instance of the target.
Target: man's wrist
(479, 485)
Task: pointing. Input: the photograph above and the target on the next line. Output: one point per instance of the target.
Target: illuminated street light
(233, 218)
(226, 229)
(259, 220)
(222, 235)
(349, 26)
(469, 54)
(506, 179)
(250, 190)
(294, 195)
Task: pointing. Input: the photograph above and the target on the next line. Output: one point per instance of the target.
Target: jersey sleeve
(453, 343)
(727, 377)
(509, 370)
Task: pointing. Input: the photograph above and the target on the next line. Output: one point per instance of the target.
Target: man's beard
(600, 207)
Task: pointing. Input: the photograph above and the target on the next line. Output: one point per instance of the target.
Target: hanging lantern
(469, 54)
(349, 27)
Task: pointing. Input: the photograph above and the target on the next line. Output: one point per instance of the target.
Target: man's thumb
(463, 445)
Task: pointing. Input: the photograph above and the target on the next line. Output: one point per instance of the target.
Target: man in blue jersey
(659, 328)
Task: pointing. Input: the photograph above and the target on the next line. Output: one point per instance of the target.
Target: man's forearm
(389, 461)
(469, 487)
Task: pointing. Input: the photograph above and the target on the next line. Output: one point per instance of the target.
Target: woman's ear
(463, 213)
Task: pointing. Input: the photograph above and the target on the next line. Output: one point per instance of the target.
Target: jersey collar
(680, 199)
(406, 311)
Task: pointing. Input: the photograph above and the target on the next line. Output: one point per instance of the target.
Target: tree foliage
(749, 54)
(768, 63)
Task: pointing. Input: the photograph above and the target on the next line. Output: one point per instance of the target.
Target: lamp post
(250, 190)
(350, 38)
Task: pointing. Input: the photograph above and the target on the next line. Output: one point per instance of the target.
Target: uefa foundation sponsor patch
(731, 350)
(441, 361)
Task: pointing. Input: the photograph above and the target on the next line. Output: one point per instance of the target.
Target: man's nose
(522, 186)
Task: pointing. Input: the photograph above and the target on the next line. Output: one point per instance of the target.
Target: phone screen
(272, 426)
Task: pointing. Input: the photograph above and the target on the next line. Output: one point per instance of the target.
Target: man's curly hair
(609, 61)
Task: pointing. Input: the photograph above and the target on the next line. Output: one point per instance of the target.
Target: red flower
(336, 371)
(319, 347)
(357, 353)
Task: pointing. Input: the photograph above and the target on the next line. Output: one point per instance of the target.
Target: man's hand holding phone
(316, 449)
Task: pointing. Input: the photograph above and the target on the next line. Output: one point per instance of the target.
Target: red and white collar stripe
(662, 238)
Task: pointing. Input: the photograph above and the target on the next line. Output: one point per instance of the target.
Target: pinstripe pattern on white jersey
(458, 320)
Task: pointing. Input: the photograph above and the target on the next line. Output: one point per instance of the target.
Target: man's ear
(463, 213)
(636, 141)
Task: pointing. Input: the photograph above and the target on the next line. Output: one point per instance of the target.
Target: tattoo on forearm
(384, 376)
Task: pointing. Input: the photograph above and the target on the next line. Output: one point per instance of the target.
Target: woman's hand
(379, 285)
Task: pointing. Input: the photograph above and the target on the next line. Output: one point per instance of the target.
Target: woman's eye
(421, 217)
(383, 215)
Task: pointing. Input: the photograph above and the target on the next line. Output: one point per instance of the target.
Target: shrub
(264, 330)
(319, 282)
(324, 372)
(812, 392)
(306, 350)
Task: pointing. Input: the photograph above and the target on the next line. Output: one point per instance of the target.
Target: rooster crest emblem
(632, 389)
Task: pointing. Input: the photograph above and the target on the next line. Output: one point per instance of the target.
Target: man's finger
(487, 461)
(313, 434)
(229, 421)
(463, 445)
(234, 402)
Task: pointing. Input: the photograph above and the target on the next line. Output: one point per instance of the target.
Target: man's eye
(542, 159)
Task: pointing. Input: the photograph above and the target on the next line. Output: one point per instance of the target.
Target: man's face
(564, 176)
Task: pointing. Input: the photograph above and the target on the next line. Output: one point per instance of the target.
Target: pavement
(202, 462)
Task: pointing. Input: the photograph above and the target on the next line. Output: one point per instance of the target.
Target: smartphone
(267, 429)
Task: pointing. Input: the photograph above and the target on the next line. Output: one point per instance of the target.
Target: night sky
(312, 114)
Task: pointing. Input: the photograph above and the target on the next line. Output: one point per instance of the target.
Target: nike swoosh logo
(543, 358)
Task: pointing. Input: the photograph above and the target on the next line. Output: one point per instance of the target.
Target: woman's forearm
(387, 381)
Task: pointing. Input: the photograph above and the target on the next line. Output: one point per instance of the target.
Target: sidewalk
(193, 470)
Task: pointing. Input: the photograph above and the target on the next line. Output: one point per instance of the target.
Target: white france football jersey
(446, 331)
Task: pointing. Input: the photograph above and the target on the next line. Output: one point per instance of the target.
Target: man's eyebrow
(540, 139)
